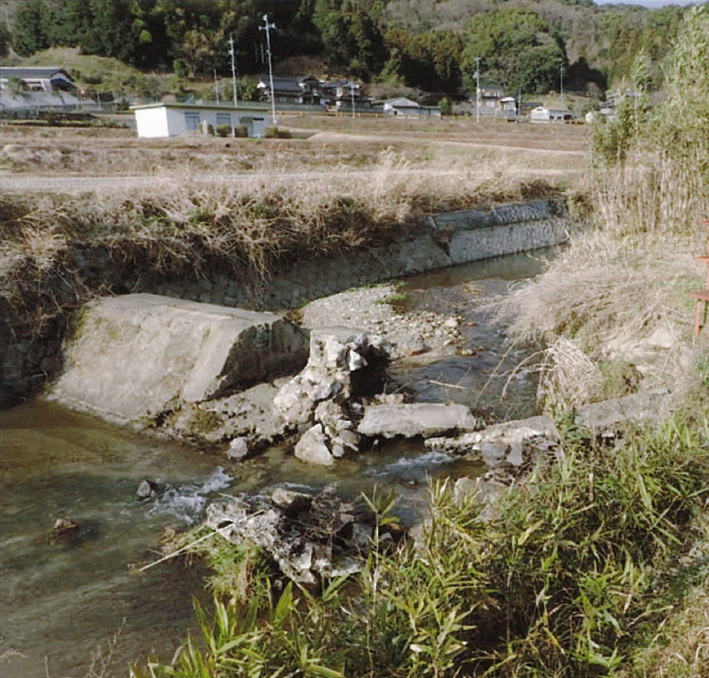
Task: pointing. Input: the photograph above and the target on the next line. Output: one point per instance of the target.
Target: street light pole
(267, 28)
(233, 69)
(477, 92)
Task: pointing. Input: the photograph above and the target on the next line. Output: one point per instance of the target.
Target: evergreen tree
(29, 34)
(518, 49)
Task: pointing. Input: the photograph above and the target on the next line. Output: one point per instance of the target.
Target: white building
(164, 119)
(544, 114)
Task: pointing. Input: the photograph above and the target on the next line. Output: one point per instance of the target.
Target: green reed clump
(569, 580)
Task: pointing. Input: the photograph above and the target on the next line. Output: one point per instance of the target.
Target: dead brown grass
(183, 227)
(325, 144)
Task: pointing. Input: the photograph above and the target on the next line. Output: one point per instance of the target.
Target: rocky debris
(607, 417)
(310, 536)
(238, 449)
(246, 415)
(313, 448)
(330, 438)
(344, 365)
(408, 333)
(149, 489)
(416, 420)
(508, 449)
(64, 526)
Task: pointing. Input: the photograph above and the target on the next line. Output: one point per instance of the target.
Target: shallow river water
(76, 607)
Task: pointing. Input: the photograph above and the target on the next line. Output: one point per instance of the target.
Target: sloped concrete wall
(141, 354)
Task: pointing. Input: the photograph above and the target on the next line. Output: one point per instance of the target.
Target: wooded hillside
(430, 44)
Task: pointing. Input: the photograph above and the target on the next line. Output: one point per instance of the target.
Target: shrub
(276, 133)
(568, 580)
(224, 130)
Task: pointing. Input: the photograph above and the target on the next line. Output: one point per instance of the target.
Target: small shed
(171, 119)
(545, 114)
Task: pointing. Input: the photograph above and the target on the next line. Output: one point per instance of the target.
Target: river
(75, 607)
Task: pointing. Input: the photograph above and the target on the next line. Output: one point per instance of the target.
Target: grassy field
(322, 143)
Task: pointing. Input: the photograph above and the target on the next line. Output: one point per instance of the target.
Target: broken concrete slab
(141, 354)
(509, 444)
(312, 447)
(608, 416)
(415, 420)
(344, 364)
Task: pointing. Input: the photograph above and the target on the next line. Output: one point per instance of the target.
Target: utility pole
(352, 97)
(561, 81)
(267, 28)
(233, 70)
(477, 90)
(519, 104)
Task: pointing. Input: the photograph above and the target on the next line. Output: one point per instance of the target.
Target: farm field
(85, 159)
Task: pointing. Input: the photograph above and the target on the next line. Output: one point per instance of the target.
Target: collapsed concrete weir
(445, 240)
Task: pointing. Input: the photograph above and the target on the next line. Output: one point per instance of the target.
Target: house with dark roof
(37, 79)
(303, 90)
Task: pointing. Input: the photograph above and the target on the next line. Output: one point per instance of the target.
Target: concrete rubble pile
(310, 536)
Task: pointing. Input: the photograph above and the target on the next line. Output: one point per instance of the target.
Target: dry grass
(184, 227)
(326, 143)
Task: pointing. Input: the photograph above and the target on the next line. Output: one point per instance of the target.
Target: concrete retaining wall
(446, 240)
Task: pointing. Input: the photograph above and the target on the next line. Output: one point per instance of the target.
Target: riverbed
(75, 604)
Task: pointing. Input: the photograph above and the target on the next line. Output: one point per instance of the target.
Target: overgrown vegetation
(243, 228)
(621, 290)
(581, 565)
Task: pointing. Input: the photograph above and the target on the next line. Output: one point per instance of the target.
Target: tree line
(520, 47)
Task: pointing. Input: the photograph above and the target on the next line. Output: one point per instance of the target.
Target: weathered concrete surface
(608, 416)
(509, 444)
(344, 364)
(141, 354)
(413, 420)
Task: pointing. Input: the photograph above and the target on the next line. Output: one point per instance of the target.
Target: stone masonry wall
(448, 239)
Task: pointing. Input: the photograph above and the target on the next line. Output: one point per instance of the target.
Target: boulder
(312, 447)
(140, 355)
(238, 449)
(417, 419)
(608, 416)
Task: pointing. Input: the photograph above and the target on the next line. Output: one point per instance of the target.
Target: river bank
(90, 472)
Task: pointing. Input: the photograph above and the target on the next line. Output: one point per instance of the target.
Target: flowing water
(76, 606)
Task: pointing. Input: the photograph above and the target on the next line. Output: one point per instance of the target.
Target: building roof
(282, 84)
(401, 102)
(245, 106)
(32, 73)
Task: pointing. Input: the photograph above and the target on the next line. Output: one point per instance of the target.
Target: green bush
(224, 130)
(241, 131)
(276, 133)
